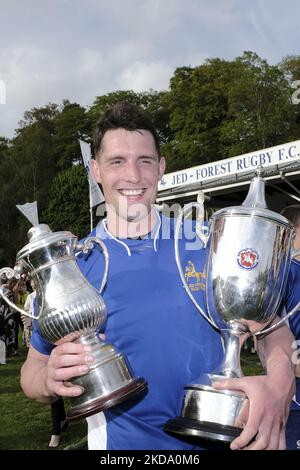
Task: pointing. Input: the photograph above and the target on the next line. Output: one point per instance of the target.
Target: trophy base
(208, 413)
(109, 381)
(103, 403)
(202, 429)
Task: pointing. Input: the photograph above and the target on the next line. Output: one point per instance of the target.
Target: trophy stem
(109, 381)
(234, 338)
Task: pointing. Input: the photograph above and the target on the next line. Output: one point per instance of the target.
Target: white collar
(102, 227)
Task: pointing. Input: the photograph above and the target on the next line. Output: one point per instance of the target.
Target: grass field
(27, 425)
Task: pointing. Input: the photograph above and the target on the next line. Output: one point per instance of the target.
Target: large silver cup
(71, 309)
(248, 253)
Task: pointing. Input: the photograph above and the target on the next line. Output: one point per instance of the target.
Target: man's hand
(44, 378)
(66, 361)
(264, 415)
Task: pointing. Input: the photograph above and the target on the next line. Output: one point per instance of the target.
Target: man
(293, 425)
(150, 318)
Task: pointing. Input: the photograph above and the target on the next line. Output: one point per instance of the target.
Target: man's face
(128, 169)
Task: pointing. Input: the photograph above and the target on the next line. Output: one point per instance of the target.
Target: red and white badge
(248, 258)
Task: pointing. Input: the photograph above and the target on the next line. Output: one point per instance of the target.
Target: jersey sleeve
(292, 297)
(39, 342)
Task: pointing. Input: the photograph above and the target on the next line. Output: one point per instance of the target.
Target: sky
(52, 50)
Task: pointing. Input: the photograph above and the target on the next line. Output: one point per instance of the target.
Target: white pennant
(96, 196)
(30, 211)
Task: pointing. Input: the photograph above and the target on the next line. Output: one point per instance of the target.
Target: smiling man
(150, 318)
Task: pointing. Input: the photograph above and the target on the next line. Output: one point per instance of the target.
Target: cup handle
(89, 245)
(182, 213)
(201, 231)
(282, 320)
(10, 273)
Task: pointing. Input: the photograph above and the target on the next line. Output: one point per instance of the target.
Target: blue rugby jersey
(291, 298)
(154, 324)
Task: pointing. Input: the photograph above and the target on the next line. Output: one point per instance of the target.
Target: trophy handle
(182, 213)
(87, 246)
(10, 273)
(282, 320)
(201, 231)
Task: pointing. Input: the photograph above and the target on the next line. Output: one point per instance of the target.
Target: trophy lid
(254, 205)
(41, 236)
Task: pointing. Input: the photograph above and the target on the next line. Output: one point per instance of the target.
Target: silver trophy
(248, 253)
(71, 309)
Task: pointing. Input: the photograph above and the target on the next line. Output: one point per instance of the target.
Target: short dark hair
(127, 116)
(292, 213)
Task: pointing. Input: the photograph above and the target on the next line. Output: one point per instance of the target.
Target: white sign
(2, 92)
(271, 156)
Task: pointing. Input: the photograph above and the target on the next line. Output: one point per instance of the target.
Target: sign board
(289, 152)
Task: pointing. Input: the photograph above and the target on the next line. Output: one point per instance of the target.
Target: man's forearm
(275, 352)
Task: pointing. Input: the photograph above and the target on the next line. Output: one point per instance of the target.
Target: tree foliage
(70, 125)
(68, 202)
(259, 110)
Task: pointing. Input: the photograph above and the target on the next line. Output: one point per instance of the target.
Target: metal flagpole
(91, 217)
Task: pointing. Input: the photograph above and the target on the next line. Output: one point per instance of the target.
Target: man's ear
(162, 167)
(95, 170)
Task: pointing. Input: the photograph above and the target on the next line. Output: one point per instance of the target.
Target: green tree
(198, 104)
(68, 206)
(290, 66)
(43, 115)
(7, 255)
(26, 173)
(31, 156)
(156, 103)
(260, 113)
(70, 125)
(224, 108)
